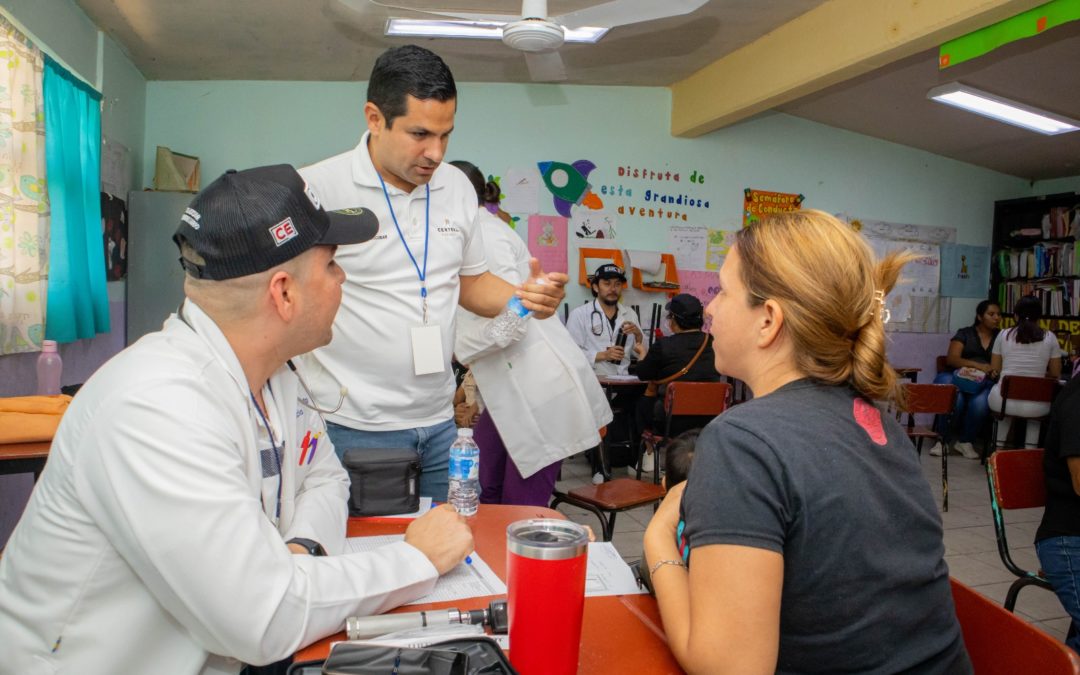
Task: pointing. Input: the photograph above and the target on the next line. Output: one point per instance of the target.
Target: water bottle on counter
(464, 492)
(502, 327)
(49, 367)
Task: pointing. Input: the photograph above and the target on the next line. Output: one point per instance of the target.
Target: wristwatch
(313, 547)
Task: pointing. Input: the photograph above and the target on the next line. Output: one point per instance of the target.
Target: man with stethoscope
(183, 521)
(598, 326)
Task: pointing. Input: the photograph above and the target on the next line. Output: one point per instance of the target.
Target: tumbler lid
(547, 539)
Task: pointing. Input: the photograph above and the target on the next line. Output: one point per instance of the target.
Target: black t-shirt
(1062, 515)
(820, 475)
(973, 349)
(670, 354)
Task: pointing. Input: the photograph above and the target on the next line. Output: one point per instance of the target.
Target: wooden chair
(1021, 388)
(607, 499)
(933, 399)
(683, 399)
(1016, 481)
(1001, 643)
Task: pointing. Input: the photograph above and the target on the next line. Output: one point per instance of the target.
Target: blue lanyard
(422, 273)
(277, 455)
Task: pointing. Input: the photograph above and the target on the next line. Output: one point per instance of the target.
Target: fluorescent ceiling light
(1002, 109)
(485, 30)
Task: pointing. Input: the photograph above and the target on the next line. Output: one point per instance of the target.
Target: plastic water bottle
(49, 367)
(464, 492)
(503, 326)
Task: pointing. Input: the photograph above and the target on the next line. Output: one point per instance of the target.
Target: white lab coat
(586, 321)
(540, 391)
(145, 546)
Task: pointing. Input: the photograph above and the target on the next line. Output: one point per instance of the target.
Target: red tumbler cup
(545, 570)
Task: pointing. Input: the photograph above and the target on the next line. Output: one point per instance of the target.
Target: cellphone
(620, 339)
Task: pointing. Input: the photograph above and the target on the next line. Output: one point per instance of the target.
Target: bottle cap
(467, 433)
(48, 345)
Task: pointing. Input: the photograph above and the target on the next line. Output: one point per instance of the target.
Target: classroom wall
(64, 31)
(241, 124)
(1056, 185)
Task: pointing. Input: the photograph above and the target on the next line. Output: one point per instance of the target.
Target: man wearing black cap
(191, 488)
(685, 355)
(598, 327)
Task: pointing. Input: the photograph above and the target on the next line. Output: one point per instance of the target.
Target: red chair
(1001, 643)
(1016, 481)
(1022, 388)
(934, 399)
(683, 399)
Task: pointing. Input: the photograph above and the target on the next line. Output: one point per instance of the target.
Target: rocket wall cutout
(569, 185)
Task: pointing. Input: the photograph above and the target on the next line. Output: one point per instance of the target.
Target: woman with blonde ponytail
(806, 539)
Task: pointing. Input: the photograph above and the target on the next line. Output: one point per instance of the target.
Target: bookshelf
(1036, 251)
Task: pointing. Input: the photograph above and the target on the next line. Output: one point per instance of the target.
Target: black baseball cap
(246, 222)
(609, 271)
(684, 307)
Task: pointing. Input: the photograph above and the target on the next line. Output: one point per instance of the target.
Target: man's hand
(542, 293)
(616, 354)
(465, 416)
(630, 328)
(441, 535)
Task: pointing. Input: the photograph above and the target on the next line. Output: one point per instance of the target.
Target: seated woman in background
(1025, 349)
(969, 369)
(684, 356)
(815, 543)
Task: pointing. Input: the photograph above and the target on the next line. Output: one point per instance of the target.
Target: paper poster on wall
(547, 242)
(899, 306)
(593, 224)
(758, 203)
(688, 244)
(702, 285)
(965, 271)
(720, 242)
(521, 190)
(921, 277)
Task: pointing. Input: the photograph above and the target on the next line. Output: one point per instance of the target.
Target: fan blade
(622, 12)
(545, 66)
(471, 16)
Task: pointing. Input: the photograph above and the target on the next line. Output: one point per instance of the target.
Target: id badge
(427, 349)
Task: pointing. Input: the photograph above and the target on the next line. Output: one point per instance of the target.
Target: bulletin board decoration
(758, 203)
(547, 242)
(669, 284)
(569, 185)
(586, 254)
(702, 285)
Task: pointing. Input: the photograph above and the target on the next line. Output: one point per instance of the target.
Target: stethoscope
(597, 321)
(266, 422)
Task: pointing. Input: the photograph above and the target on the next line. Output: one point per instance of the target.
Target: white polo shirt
(371, 353)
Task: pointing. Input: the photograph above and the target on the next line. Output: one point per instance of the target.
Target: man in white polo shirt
(393, 335)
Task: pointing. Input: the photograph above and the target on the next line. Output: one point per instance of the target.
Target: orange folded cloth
(25, 419)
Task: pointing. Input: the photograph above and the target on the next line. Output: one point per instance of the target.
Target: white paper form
(689, 245)
(521, 187)
(464, 581)
(607, 573)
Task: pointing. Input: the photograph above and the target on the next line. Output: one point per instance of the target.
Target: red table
(620, 634)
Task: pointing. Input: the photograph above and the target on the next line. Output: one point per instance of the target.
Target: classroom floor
(970, 546)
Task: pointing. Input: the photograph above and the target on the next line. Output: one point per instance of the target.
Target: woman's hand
(660, 537)
(640, 350)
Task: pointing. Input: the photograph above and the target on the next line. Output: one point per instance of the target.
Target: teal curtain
(78, 302)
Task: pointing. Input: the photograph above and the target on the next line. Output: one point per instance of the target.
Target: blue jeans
(433, 444)
(1059, 558)
(970, 410)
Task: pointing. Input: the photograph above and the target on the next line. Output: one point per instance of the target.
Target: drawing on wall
(547, 242)
(521, 190)
(593, 224)
(569, 185)
(757, 203)
(702, 285)
(719, 243)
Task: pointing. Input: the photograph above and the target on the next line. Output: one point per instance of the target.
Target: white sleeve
(322, 500)
(167, 486)
(474, 260)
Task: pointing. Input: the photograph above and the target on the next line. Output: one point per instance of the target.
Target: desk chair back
(1016, 481)
(1001, 643)
(686, 405)
(933, 399)
(1022, 388)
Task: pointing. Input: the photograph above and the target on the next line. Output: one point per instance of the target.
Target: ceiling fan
(538, 36)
